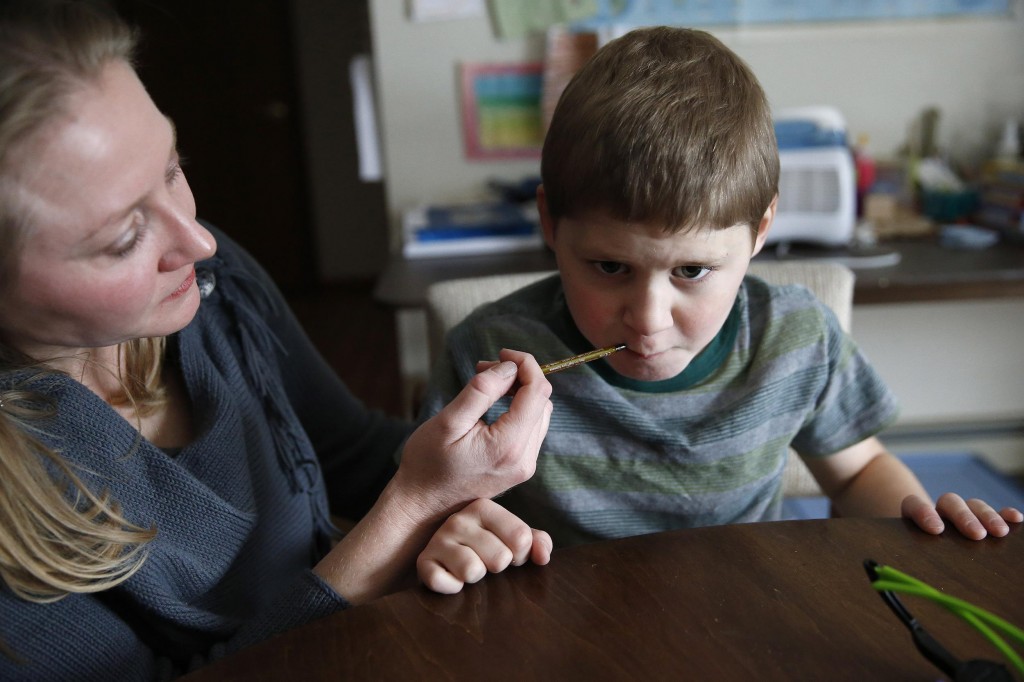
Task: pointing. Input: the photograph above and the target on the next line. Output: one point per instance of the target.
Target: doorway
(224, 72)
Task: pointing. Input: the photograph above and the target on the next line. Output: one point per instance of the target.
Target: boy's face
(664, 295)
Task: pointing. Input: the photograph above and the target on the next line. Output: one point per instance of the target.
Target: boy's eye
(692, 272)
(609, 267)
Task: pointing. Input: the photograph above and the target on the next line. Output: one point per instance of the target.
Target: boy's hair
(663, 125)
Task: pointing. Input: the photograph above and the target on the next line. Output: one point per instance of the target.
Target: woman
(170, 441)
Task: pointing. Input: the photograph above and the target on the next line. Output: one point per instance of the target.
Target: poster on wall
(626, 14)
(501, 110)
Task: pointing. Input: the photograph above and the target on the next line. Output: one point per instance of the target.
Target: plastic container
(948, 206)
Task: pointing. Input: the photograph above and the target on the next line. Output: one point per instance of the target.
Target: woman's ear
(765, 225)
(547, 223)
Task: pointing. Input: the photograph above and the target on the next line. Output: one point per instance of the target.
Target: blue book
(467, 229)
(493, 219)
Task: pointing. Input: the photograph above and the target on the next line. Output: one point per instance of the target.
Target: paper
(516, 18)
(364, 112)
(438, 10)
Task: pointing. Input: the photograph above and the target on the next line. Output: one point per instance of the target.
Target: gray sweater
(624, 457)
(241, 513)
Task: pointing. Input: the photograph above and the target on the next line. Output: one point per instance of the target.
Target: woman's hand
(448, 462)
(484, 537)
(454, 457)
(974, 518)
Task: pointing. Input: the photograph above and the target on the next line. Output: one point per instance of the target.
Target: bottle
(864, 166)
(1009, 144)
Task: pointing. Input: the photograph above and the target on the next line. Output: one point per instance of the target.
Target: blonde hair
(56, 535)
(663, 125)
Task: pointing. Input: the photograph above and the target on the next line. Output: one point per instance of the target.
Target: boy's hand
(484, 537)
(974, 518)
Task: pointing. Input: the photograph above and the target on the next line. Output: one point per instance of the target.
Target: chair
(450, 301)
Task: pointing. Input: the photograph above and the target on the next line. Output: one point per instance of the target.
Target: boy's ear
(765, 225)
(547, 223)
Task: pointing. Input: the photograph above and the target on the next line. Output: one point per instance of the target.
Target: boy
(660, 175)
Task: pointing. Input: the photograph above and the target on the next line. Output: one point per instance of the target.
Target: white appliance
(817, 181)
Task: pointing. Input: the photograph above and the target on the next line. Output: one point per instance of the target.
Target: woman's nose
(187, 240)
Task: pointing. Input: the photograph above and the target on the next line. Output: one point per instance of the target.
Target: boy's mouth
(645, 354)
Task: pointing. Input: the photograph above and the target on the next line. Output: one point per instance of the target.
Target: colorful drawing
(501, 110)
(622, 15)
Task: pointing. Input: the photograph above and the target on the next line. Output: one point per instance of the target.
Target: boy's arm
(866, 480)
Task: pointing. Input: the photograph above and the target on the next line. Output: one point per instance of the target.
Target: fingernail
(505, 369)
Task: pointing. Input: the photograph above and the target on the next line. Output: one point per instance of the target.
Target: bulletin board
(632, 13)
(501, 110)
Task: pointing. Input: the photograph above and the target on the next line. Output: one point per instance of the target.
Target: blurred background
(263, 96)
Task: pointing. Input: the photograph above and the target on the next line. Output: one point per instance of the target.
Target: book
(475, 228)
(1001, 199)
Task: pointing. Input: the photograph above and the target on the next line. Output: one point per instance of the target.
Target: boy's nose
(649, 311)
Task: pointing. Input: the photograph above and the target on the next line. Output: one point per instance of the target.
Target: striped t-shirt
(625, 457)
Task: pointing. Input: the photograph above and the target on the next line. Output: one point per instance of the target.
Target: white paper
(365, 115)
(437, 10)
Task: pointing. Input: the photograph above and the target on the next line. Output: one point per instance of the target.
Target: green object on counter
(947, 206)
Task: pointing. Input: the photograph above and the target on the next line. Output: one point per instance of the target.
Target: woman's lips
(185, 285)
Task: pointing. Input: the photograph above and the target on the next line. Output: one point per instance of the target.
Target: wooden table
(771, 601)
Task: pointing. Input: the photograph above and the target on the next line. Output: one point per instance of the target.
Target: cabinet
(223, 72)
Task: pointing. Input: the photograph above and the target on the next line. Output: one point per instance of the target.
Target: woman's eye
(173, 173)
(609, 267)
(126, 246)
(174, 170)
(131, 238)
(693, 272)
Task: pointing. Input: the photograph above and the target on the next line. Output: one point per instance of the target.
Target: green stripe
(563, 473)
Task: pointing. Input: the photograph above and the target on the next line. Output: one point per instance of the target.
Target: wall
(881, 75)
(955, 366)
(417, 70)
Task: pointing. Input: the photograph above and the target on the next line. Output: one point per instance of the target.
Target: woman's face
(112, 235)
